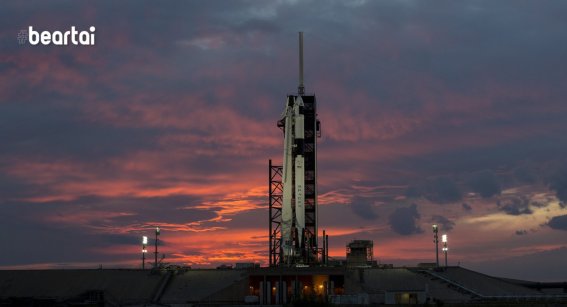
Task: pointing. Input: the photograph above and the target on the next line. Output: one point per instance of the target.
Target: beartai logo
(73, 37)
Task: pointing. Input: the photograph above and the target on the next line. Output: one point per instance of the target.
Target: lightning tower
(293, 186)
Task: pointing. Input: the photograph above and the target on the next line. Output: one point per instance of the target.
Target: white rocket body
(293, 203)
(299, 169)
(287, 210)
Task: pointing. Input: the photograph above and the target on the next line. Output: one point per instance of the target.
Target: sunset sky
(448, 112)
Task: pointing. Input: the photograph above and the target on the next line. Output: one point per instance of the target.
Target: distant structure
(360, 253)
(293, 229)
(436, 241)
(156, 248)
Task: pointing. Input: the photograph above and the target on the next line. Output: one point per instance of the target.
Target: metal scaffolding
(275, 201)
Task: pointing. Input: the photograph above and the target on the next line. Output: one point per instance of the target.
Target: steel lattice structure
(275, 212)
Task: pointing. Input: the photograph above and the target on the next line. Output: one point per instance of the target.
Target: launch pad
(278, 286)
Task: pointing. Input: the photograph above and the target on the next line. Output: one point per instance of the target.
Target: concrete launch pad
(271, 286)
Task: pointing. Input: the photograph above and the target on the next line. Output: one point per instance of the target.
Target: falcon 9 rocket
(299, 175)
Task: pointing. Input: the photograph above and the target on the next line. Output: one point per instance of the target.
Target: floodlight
(144, 250)
(157, 230)
(436, 241)
(144, 240)
(444, 238)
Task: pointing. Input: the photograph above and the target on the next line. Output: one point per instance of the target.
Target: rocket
(293, 177)
(287, 172)
(298, 211)
(293, 171)
(299, 169)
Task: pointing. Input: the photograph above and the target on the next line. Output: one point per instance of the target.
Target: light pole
(156, 250)
(436, 241)
(445, 248)
(144, 251)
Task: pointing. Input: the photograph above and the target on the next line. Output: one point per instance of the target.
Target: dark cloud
(50, 130)
(515, 206)
(442, 190)
(558, 183)
(112, 212)
(35, 242)
(466, 206)
(485, 183)
(510, 152)
(262, 25)
(539, 204)
(344, 215)
(81, 230)
(12, 187)
(445, 223)
(525, 174)
(121, 239)
(255, 217)
(412, 192)
(521, 232)
(363, 207)
(404, 220)
(558, 222)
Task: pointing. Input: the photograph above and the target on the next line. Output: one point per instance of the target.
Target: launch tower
(293, 186)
